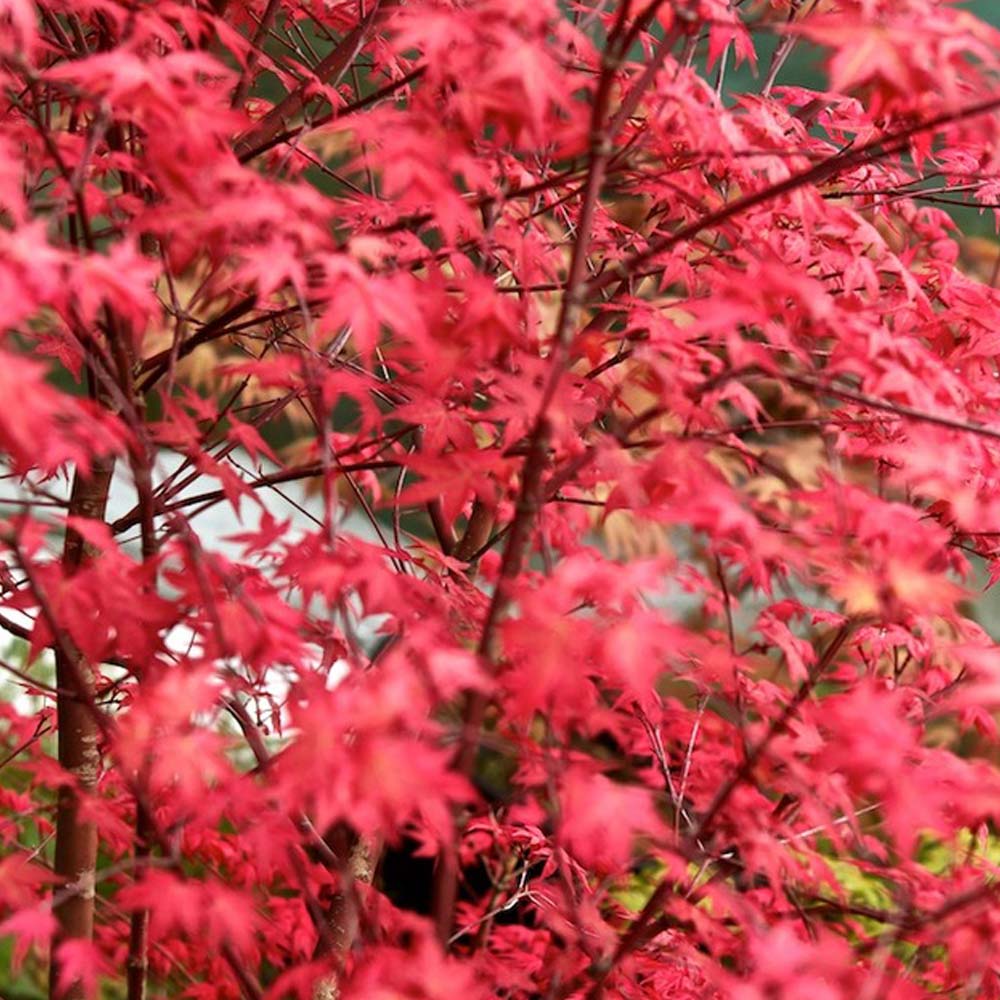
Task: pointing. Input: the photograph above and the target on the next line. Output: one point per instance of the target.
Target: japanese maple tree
(602, 408)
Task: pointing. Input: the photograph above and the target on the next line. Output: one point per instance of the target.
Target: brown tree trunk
(76, 838)
(137, 963)
(342, 917)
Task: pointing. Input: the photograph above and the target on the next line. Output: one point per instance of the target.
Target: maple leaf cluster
(602, 414)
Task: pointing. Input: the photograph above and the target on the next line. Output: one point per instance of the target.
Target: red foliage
(641, 407)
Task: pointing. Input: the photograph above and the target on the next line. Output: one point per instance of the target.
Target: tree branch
(329, 72)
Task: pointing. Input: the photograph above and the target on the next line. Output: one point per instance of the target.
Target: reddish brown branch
(329, 71)
(530, 499)
(848, 159)
(256, 43)
(639, 931)
(359, 105)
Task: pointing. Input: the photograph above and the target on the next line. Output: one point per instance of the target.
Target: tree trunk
(76, 838)
(342, 917)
